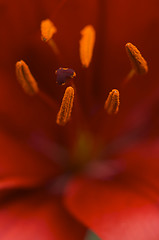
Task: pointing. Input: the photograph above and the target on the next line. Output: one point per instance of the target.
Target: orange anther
(112, 103)
(47, 30)
(87, 45)
(64, 113)
(25, 78)
(139, 64)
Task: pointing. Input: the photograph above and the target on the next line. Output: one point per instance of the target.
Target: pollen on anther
(87, 42)
(112, 103)
(138, 63)
(25, 78)
(47, 30)
(63, 74)
(64, 113)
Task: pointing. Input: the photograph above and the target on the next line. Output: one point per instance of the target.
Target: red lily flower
(99, 172)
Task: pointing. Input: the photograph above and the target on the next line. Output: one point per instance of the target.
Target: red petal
(142, 160)
(38, 216)
(22, 112)
(20, 166)
(114, 210)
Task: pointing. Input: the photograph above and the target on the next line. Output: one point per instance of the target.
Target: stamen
(47, 30)
(25, 78)
(63, 74)
(64, 113)
(139, 64)
(112, 102)
(87, 45)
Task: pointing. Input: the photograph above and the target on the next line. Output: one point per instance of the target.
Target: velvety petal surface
(142, 159)
(21, 166)
(37, 216)
(126, 206)
(113, 210)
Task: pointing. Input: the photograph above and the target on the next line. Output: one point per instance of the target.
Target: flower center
(85, 147)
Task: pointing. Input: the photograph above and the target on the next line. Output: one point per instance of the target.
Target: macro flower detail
(25, 78)
(64, 113)
(112, 102)
(87, 45)
(79, 156)
(47, 30)
(139, 64)
(86, 150)
(63, 74)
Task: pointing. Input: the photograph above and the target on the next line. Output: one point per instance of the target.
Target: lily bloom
(98, 173)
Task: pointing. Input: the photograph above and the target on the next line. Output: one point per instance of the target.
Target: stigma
(63, 74)
(139, 64)
(112, 102)
(64, 113)
(26, 79)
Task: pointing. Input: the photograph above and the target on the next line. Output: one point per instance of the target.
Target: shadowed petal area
(125, 207)
(21, 114)
(20, 166)
(20, 163)
(37, 216)
(142, 159)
